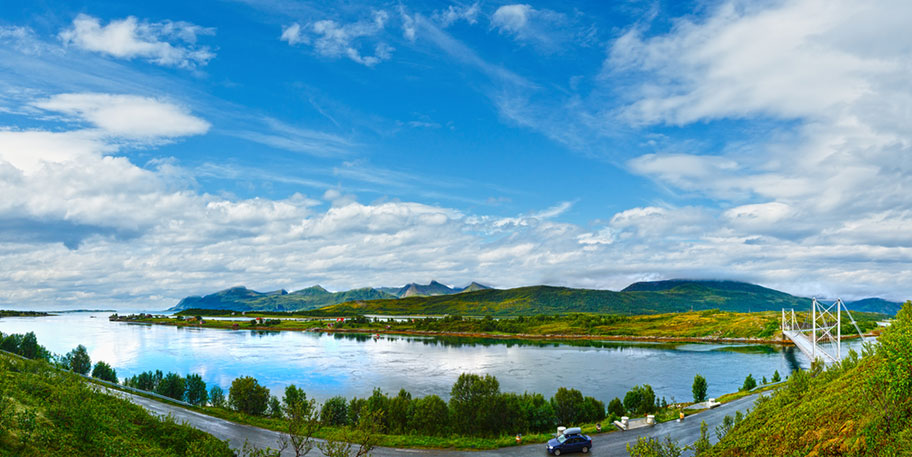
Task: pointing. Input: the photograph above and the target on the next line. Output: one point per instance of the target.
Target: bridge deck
(805, 345)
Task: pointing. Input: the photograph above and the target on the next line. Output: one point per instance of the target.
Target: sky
(154, 150)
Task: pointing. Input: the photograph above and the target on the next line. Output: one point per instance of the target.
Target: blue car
(572, 440)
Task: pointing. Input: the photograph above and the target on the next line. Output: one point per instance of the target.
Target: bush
(334, 411)
(104, 372)
(248, 396)
(699, 388)
(776, 377)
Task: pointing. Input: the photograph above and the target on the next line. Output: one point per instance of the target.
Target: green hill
(861, 407)
(640, 298)
(244, 299)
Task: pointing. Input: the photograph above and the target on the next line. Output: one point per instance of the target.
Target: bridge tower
(821, 338)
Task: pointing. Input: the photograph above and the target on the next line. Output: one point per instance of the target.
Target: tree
(474, 402)
(640, 400)
(275, 407)
(699, 388)
(776, 377)
(248, 396)
(293, 396)
(172, 386)
(78, 360)
(334, 411)
(29, 347)
(764, 381)
(399, 412)
(567, 404)
(430, 416)
(616, 408)
(104, 371)
(303, 422)
(196, 390)
(365, 435)
(217, 397)
(749, 383)
(702, 445)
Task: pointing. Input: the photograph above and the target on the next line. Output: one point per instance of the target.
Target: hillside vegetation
(527, 301)
(861, 407)
(44, 412)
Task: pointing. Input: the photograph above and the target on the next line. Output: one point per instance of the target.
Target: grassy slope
(69, 418)
(556, 300)
(851, 409)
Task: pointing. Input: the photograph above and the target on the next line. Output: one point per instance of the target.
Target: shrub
(248, 396)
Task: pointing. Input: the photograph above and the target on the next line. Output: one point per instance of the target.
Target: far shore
(241, 325)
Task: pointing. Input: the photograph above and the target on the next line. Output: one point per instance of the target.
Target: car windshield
(562, 438)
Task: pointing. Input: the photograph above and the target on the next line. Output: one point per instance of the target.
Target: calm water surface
(352, 365)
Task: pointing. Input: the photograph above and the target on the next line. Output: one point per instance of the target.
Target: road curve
(607, 444)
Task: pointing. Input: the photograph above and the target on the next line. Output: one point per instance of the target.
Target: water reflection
(353, 364)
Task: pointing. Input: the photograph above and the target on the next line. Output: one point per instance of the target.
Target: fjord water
(326, 365)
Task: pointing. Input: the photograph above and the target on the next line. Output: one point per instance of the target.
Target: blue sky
(159, 149)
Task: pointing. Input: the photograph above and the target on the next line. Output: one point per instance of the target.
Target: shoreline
(515, 336)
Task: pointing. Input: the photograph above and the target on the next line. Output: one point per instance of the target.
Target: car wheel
(585, 449)
(557, 452)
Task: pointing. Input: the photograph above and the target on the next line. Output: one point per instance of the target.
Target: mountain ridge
(646, 297)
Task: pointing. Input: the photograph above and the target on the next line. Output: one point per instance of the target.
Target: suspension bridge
(820, 338)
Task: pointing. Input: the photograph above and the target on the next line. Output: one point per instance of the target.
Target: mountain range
(243, 299)
(475, 299)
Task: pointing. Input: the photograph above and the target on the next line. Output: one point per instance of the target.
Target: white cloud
(547, 30)
(127, 116)
(165, 43)
(456, 13)
(331, 39)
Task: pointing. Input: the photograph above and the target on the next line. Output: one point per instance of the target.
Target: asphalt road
(606, 444)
